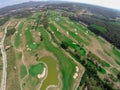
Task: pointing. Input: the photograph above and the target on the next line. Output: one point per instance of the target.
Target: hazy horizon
(115, 4)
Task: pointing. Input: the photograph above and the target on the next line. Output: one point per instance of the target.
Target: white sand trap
(20, 34)
(77, 69)
(75, 30)
(73, 43)
(75, 75)
(27, 49)
(76, 33)
(26, 45)
(52, 32)
(39, 34)
(16, 31)
(42, 74)
(34, 43)
(67, 33)
(86, 32)
(57, 29)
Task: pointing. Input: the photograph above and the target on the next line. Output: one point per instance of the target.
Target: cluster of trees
(22, 14)
(64, 45)
(3, 20)
(90, 78)
(10, 31)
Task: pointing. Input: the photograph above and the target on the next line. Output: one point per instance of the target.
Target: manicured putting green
(52, 77)
(36, 69)
(33, 46)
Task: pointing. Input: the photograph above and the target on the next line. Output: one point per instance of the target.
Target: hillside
(59, 47)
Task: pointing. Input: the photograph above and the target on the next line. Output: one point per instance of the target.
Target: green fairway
(59, 35)
(52, 77)
(116, 52)
(71, 27)
(115, 71)
(23, 71)
(99, 28)
(17, 39)
(102, 70)
(36, 69)
(30, 40)
(107, 53)
(66, 64)
(104, 64)
(65, 28)
(80, 50)
(28, 35)
(117, 61)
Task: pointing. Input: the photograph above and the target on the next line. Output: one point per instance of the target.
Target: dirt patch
(1, 34)
(36, 35)
(44, 52)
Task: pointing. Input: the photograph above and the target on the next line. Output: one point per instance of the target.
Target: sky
(115, 4)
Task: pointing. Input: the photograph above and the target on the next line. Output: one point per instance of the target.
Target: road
(4, 59)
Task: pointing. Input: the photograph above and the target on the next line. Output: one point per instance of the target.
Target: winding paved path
(4, 59)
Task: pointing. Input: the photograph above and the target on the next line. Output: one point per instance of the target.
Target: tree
(118, 76)
(64, 45)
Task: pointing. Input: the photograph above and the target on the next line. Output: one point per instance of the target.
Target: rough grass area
(23, 71)
(12, 75)
(36, 69)
(52, 77)
(17, 39)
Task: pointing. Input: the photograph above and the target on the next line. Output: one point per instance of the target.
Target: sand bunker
(42, 74)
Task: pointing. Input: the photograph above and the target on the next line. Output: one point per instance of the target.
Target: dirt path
(4, 59)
